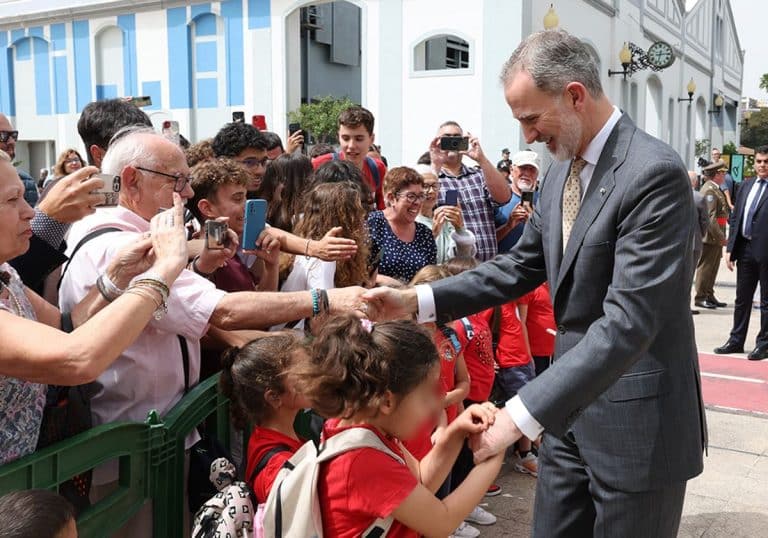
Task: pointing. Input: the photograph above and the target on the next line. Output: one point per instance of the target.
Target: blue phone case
(255, 220)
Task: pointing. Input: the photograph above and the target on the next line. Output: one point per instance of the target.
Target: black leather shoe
(759, 353)
(717, 303)
(695, 312)
(705, 304)
(729, 347)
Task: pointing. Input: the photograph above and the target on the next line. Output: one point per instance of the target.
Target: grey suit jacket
(625, 380)
(701, 225)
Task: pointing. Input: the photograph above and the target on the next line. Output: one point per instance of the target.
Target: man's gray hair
(554, 59)
(130, 147)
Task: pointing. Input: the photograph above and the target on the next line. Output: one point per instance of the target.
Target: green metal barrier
(151, 463)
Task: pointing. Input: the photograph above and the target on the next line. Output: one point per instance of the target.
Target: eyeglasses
(180, 181)
(5, 135)
(252, 162)
(412, 198)
(430, 187)
(73, 161)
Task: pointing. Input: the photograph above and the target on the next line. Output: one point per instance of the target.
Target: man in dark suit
(620, 408)
(748, 250)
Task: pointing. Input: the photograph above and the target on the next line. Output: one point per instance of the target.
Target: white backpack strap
(353, 439)
(379, 529)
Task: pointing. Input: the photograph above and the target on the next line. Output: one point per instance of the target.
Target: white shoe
(465, 531)
(480, 516)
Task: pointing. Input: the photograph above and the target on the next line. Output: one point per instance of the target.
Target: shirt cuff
(48, 229)
(426, 299)
(525, 422)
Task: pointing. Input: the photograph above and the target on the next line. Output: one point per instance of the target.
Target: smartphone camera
(526, 197)
(216, 236)
(454, 143)
(110, 190)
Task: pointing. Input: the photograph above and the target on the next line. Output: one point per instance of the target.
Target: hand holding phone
(110, 191)
(454, 143)
(452, 197)
(216, 235)
(526, 197)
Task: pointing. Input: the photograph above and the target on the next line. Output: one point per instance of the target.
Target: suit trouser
(748, 273)
(706, 271)
(571, 502)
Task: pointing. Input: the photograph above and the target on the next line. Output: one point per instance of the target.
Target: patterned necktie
(572, 198)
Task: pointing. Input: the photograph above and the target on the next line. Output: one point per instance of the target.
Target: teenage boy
(355, 139)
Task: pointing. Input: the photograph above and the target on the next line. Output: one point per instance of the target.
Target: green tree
(764, 82)
(320, 117)
(756, 132)
(701, 148)
(730, 149)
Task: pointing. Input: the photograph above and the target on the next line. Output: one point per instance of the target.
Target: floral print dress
(21, 402)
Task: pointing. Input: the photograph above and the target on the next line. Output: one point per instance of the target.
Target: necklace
(16, 303)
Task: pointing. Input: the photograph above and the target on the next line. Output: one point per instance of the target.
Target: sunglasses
(5, 135)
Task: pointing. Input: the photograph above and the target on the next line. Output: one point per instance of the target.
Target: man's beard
(570, 138)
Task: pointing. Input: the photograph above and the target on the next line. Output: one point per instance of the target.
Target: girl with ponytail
(258, 381)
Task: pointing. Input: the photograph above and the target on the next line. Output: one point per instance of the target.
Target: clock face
(660, 55)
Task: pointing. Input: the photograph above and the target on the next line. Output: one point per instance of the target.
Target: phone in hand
(293, 128)
(110, 190)
(255, 222)
(454, 143)
(238, 117)
(452, 197)
(526, 197)
(259, 121)
(216, 236)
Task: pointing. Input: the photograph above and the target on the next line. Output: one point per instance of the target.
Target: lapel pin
(602, 190)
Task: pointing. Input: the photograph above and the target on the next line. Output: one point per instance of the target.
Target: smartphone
(216, 236)
(171, 128)
(238, 117)
(144, 100)
(255, 221)
(452, 197)
(110, 190)
(526, 197)
(259, 121)
(454, 143)
(293, 127)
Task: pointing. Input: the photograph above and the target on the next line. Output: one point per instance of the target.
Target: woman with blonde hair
(69, 161)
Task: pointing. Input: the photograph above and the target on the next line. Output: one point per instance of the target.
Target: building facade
(414, 63)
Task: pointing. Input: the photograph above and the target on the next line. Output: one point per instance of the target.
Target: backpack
(292, 509)
(229, 512)
(372, 168)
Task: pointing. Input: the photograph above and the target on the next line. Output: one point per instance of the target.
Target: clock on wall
(660, 55)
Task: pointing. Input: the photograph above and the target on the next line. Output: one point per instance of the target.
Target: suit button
(561, 329)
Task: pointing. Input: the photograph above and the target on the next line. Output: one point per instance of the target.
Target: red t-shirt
(367, 174)
(360, 486)
(511, 350)
(421, 443)
(540, 318)
(262, 441)
(478, 354)
(449, 348)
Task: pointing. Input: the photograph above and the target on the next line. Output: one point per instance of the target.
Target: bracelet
(197, 270)
(315, 302)
(306, 250)
(107, 288)
(161, 308)
(153, 278)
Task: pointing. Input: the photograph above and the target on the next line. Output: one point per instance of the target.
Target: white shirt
(756, 185)
(308, 273)
(150, 373)
(528, 425)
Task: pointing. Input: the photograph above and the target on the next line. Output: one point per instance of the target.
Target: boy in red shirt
(540, 324)
(513, 355)
(355, 139)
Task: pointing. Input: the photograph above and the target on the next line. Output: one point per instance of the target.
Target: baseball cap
(526, 157)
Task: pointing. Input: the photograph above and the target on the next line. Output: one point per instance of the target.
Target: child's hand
(475, 419)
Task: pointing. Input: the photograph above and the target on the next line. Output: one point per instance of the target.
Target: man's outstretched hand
(388, 303)
(502, 433)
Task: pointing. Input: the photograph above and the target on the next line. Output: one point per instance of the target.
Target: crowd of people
(131, 305)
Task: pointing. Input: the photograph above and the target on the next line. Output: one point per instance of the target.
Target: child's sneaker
(493, 490)
(465, 531)
(528, 465)
(480, 516)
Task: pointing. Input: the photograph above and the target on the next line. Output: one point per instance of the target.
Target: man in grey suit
(620, 408)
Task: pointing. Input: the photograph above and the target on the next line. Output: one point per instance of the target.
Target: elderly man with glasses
(164, 362)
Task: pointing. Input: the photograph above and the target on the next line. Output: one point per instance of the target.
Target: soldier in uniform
(714, 239)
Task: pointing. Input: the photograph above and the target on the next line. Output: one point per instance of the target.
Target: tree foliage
(756, 132)
(320, 117)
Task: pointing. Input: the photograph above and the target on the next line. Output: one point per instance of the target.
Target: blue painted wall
(7, 105)
(153, 89)
(178, 58)
(62, 84)
(258, 14)
(42, 77)
(82, 55)
(106, 91)
(232, 12)
(128, 25)
(207, 93)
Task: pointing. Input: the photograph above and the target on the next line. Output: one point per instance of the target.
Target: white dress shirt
(150, 373)
(756, 187)
(527, 424)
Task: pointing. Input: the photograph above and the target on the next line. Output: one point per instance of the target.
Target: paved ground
(730, 499)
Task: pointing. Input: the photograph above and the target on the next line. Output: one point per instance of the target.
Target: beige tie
(572, 198)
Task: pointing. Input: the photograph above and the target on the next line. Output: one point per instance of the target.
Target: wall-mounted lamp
(625, 57)
(551, 20)
(691, 89)
(718, 102)
(745, 118)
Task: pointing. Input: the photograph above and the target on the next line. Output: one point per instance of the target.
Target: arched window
(109, 63)
(653, 107)
(440, 52)
(205, 60)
